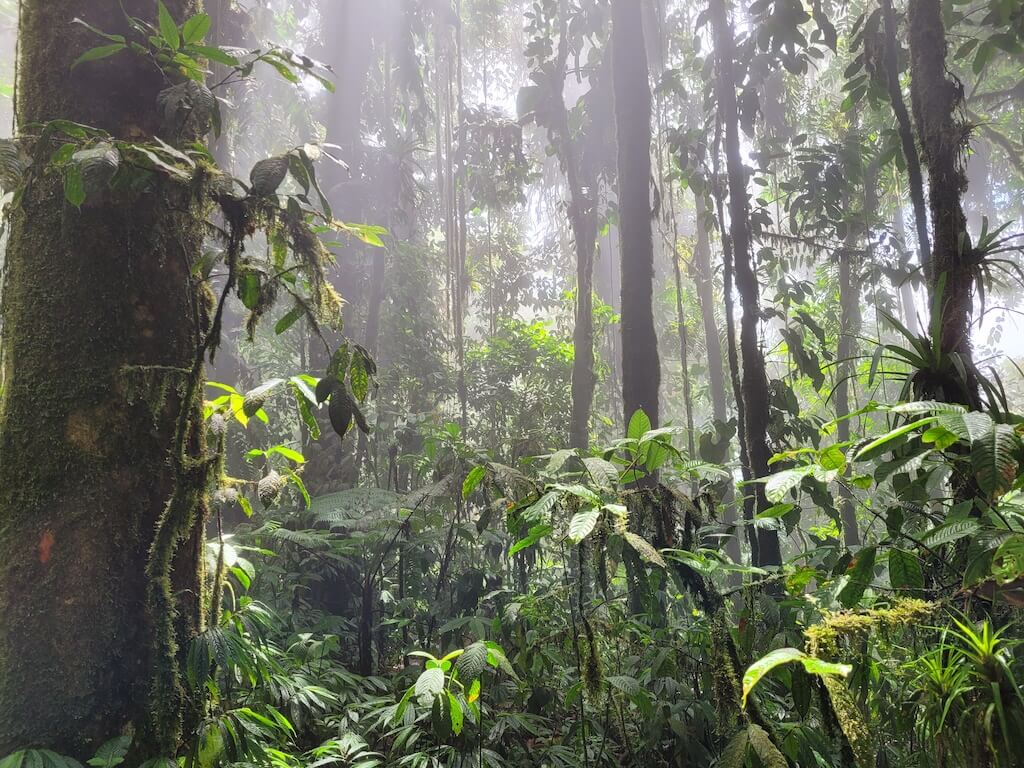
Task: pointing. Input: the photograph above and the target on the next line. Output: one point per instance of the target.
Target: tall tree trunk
(583, 220)
(641, 366)
(754, 377)
(906, 134)
(100, 581)
(704, 279)
(943, 138)
(641, 371)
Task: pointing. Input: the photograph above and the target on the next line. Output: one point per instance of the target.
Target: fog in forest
(495, 383)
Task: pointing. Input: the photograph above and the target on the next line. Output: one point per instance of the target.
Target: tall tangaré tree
(99, 573)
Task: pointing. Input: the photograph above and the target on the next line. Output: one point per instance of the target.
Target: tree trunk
(706, 296)
(641, 366)
(583, 220)
(754, 377)
(906, 134)
(849, 327)
(704, 278)
(641, 372)
(97, 599)
(943, 139)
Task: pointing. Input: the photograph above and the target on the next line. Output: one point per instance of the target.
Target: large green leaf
(905, 570)
(168, 29)
(429, 684)
(536, 533)
(860, 577)
(639, 425)
(951, 532)
(891, 439)
(604, 473)
(993, 460)
(582, 523)
(470, 665)
(756, 671)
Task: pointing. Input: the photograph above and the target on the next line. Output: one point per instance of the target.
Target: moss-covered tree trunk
(936, 100)
(100, 331)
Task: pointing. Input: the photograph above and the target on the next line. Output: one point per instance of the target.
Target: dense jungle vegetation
(493, 383)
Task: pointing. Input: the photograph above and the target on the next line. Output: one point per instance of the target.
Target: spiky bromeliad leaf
(993, 460)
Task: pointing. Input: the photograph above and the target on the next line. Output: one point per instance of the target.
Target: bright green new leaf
(815, 666)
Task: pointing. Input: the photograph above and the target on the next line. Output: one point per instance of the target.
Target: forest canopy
(553, 383)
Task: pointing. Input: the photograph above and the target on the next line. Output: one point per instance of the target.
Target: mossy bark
(100, 332)
(936, 101)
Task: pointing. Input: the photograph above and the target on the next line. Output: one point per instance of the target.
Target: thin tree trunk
(734, 366)
(704, 279)
(754, 377)
(100, 575)
(706, 297)
(943, 139)
(684, 356)
(583, 220)
(849, 327)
